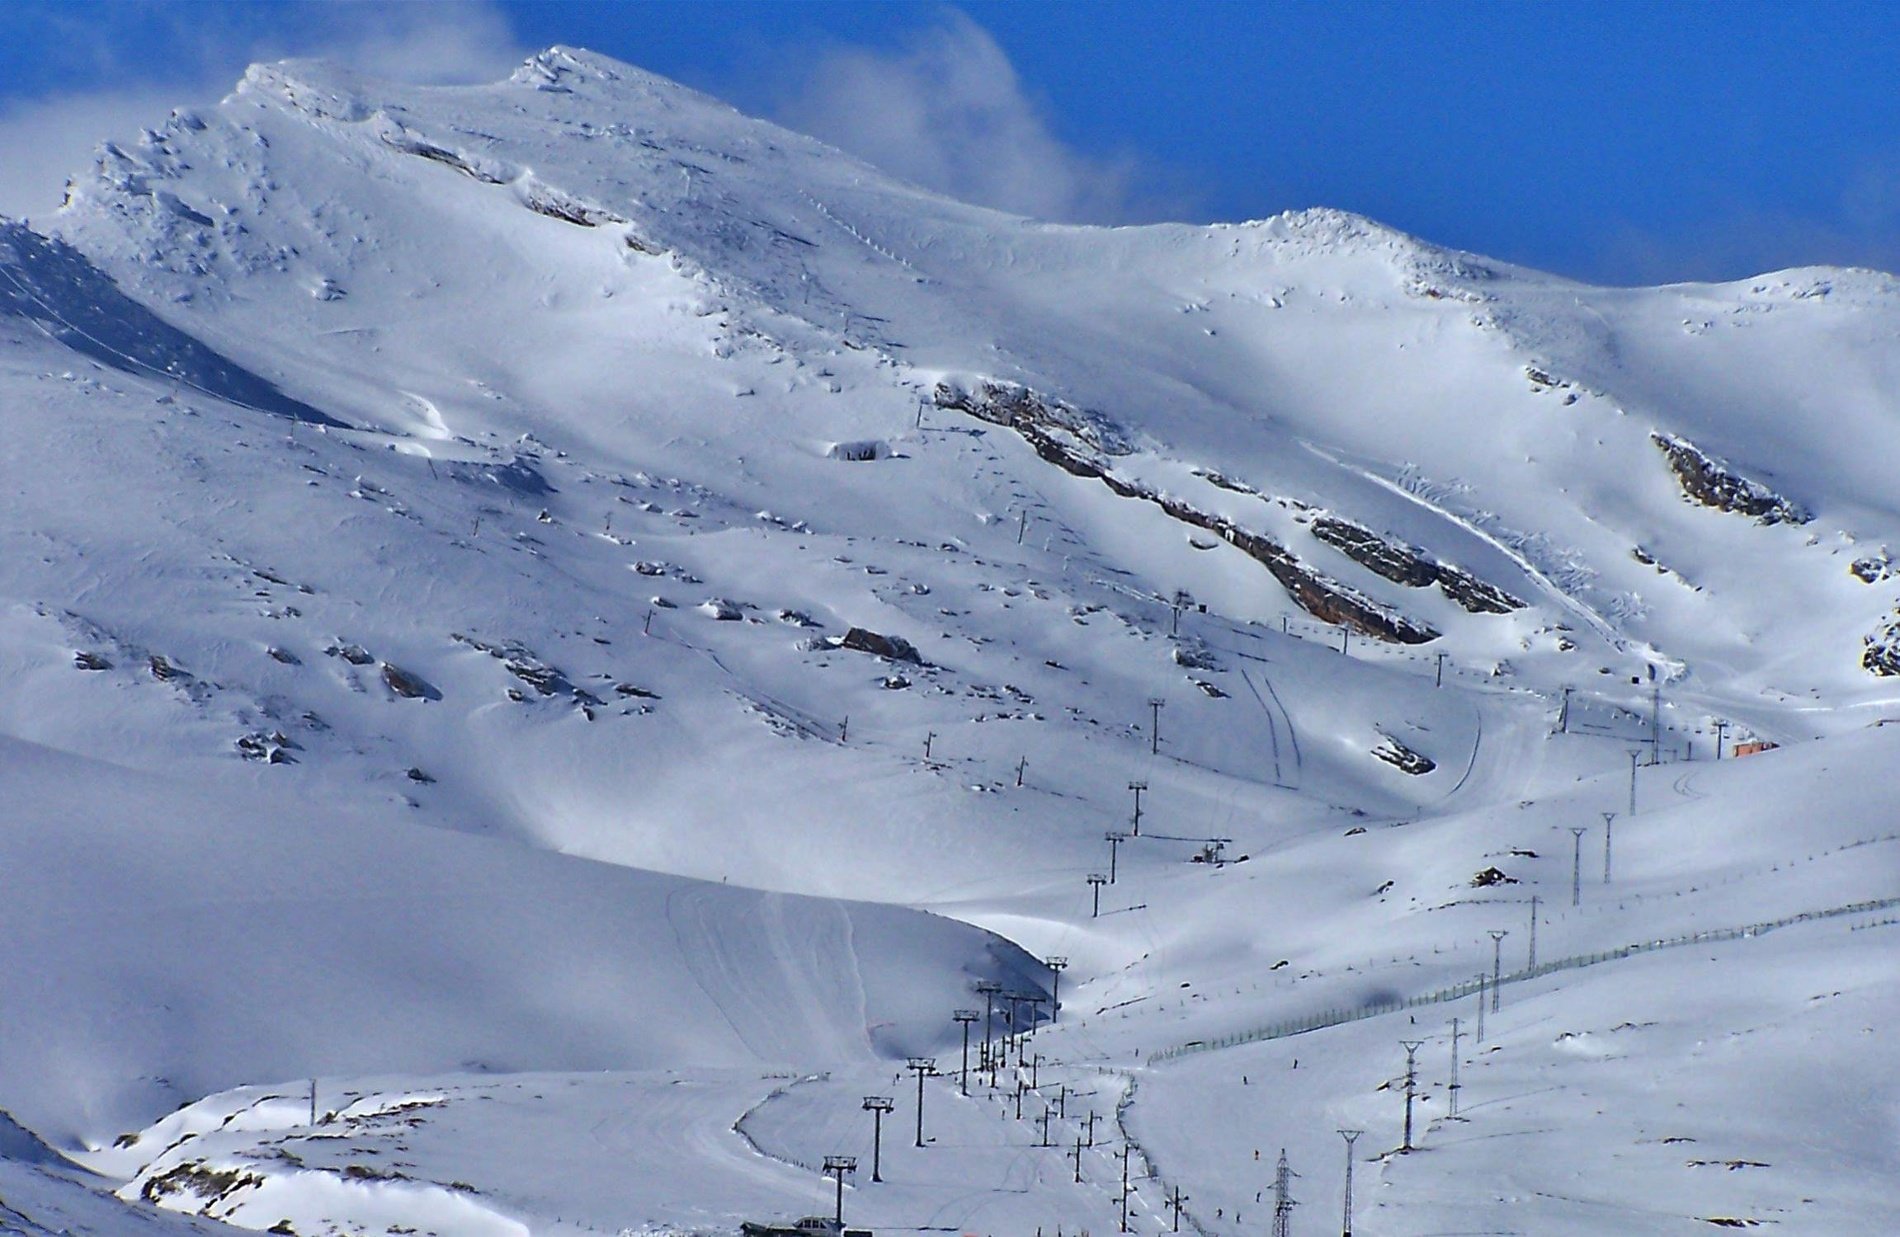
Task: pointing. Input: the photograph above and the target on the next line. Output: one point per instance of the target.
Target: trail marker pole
(1351, 1137)
(1411, 1047)
(1091, 1124)
(836, 1166)
(877, 1106)
(1096, 881)
(1576, 865)
(1497, 936)
(965, 1017)
(924, 1067)
(1020, 766)
(1078, 1158)
(1114, 840)
(1452, 1104)
(1047, 1112)
(930, 736)
(1019, 1097)
(1137, 787)
(1441, 671)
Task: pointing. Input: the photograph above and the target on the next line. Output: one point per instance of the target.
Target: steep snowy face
(586, 227)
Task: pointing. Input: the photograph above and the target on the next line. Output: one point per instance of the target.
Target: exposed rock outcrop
(1714, 483)
(894, 648)
(1322, 597)
(1411, 566)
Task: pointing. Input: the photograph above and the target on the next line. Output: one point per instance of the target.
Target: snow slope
(440, 521)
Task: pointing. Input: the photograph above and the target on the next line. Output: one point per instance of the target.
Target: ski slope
(458, 535)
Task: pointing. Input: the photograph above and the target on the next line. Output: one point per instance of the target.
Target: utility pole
(1655, 723)
(1563, 716)
(1091, 1124)
(1576, 865)
(1345, 635)
(1452, 1104)
(1047, 1112)
(1137, 787)
(1155, 705)
(1720, 728)
(1531, 965)
(313, 1101)
(1078, 1158)
(1497, 936)
(1351, 1137)
(1096, 881)
(1633, 758)
(1114, 840)
(1441, 671)
(1283, 1203)
(1056, 967)
(1480, 1007)
(965, 1017)
(844, 729)
(1411, 1047)
(877, 1106)
(924, 1067)
(989, 988)
(1175, 1199)
(836, 1166)
(1019, 1097)
(930, 736)
(1607, 818)
(1020, 766)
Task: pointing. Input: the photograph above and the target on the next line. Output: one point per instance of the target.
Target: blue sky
(1620, 142)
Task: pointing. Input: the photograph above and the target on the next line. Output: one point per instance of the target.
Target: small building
(1754, 746)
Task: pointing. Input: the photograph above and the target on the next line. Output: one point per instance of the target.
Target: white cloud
(45, 140)
(947, 111)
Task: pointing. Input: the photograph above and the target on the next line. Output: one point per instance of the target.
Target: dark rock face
(1403, 758)
(1881, 654)
(1873, 568)
(1320, 596)
(408, 686)
(1402, 564)
(1491, 876)
(894, 648)
(1713, 483)
(90, 661)
(1410, 566)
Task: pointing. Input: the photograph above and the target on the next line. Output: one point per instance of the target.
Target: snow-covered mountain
(561, 576)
